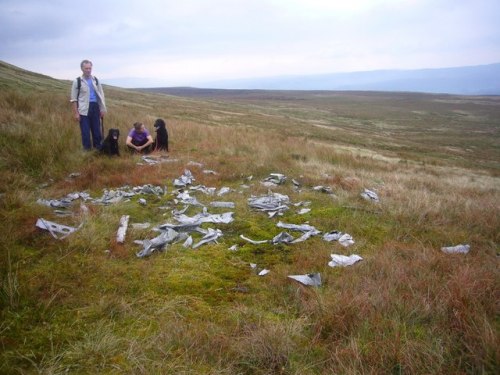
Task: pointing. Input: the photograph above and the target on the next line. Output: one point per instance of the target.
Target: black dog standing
(110, 144)
(161, 140)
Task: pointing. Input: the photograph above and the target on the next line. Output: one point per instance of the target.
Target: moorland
(87, 304)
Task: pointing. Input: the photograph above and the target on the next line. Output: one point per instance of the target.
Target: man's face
(87, 69)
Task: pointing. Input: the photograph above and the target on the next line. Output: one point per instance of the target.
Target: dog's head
(159, 124)
(114, 134)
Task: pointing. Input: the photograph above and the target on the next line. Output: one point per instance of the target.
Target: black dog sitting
(161, 140)
(110, 144)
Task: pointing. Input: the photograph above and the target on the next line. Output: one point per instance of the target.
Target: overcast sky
(188, 42)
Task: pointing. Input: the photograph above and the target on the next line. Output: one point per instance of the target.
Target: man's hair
(138, 125)
(85, 62)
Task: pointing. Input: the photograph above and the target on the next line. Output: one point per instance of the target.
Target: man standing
(89, 106)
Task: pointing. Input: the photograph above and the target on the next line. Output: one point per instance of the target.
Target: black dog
(110, 144)
(161, 140)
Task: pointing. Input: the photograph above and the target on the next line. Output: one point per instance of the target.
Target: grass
(86, 304)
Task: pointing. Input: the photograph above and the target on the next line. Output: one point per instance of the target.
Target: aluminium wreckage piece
(312, 279)
(185, 180)
(344, 239)
(55, 228)
(343, 260)
(122, 229)
(211, 236)
(157, 243)
(370, 195)
(458, 249)
(273, 203)
(274, 179)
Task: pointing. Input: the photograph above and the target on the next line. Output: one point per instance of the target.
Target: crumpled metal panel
(343, 260)
(57, 231)
(157, 243)
(312, 279)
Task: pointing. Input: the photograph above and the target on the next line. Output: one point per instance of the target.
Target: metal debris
(185, 198)
(153, 160)
(222, 191)
(195, 164)
(343, 260)
(272, 203)
(211, 236)
(300, 228)
(203, 189)
(188, 242)
(313, 279)
(209, 171)
(458, 249)
(157, 243)
(142, 201)
(370, 195)
(234, 248)
(185, 180)
(122, 229)
(274, 179)
(58, 231)
(252, 241)
(323, 189)
(344, 239)
(283, 237)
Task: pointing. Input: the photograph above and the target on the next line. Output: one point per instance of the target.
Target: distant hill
(469, 80)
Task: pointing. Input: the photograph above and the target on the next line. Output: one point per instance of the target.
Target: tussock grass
(86, 304)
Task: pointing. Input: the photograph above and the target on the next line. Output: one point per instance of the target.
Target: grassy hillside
(87, 304)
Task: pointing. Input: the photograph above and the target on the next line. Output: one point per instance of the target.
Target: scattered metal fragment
(370, 195)
(205, 217)
(296, 183)
(122, 229)
(157, 243)
(272, 203)
(223, 190)
(185, 198)
(195, 164)
(188, 242)
(203, 189)
(344, 239)
(458, 249)
(274, 179)
(300, 228)
(185, 180)
(283, 237)
(58, 231)
(142, 201)
(74, 175)
(303, 211)
(234, 248)
(307, 229)
(323, 189)
(209, 171)
(263, 272)
(343, 260)
(153, 160)
(211, 236)
(149, 189)
(313, 279)
(252, 241)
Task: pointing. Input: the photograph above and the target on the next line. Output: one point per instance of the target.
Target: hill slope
(87, 304)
